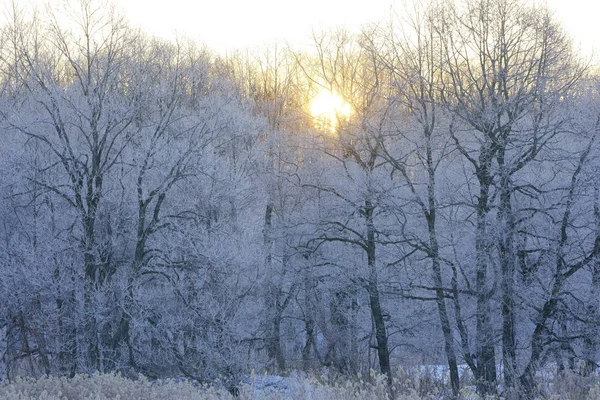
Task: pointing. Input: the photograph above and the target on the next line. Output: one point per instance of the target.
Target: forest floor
(420, 383)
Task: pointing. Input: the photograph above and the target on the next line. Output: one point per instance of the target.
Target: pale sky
(225, 25)
(229, 24)
(581, 19)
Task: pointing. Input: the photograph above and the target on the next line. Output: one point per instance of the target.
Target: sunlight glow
(328, 109)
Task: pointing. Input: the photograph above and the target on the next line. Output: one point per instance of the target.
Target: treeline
(172, 212)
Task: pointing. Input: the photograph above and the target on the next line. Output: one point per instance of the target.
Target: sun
(328, 109)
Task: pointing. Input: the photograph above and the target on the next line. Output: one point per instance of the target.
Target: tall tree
(506, 67)
(411, 51)
(344, 66)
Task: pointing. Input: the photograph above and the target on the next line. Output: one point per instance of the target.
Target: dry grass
(408, 385)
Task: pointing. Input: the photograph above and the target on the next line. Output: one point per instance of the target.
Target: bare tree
(343, 65)
(412, 51)
(506, 66)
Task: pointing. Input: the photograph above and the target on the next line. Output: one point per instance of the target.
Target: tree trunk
(507, 265)
(274, 350)
(374, 301)
(430, 216)
(273, 340)
(539, 338)
(310, 344)
(485, 352)
(592, 331)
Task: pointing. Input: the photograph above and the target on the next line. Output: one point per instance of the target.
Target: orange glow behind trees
(328, 109)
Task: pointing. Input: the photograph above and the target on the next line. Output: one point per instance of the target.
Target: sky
(231, 24)
(225, 25)
(581, 19)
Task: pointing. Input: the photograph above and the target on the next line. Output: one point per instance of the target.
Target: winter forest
(424, 192)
